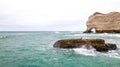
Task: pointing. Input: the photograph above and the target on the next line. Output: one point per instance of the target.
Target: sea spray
(86, 50)
(111, 53)
(92, 52)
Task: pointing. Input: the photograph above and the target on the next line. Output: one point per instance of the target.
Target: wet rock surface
(98, 44)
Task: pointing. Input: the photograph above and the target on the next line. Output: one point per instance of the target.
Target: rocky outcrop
(104, 23)
(98, 44)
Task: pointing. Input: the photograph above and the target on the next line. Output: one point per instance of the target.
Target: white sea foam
(115, 35)
(86, 51)
(112, 54)
(57, 32)
(92, 52)
(73, 31)
(105, 33)
(86, 35)
(2, 36)
(96, 35)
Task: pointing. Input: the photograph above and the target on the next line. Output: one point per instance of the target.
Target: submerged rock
(104, 23)
(98, 44)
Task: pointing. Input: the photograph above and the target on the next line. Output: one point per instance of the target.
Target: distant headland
(104, 23)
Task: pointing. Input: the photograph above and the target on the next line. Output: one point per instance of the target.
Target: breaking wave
(2, 37)
(57, 32)
(85, 51)
(92, 52)
(104, 34)
(112, 54)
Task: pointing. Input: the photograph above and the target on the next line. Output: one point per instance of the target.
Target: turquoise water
(35, 49)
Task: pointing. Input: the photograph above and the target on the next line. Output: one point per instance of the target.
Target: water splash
(112, 54)
(84, 50)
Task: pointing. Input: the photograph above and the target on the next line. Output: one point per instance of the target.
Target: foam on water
(1, 37)
(104, 34)
(57, 32)
(85, 51)
(92, 52)
(112, 54)
(115, 35)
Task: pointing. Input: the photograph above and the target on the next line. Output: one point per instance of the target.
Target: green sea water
(35, 49)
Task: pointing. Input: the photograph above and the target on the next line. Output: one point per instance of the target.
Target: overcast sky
(51, 15)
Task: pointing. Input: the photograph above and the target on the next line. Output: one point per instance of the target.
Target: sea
(35, 49)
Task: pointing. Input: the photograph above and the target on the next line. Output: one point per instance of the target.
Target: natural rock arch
(104, 23)
(93, 30)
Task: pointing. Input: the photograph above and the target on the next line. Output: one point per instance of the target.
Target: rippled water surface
(35, 49)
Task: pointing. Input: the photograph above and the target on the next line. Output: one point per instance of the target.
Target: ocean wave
(57, 32)
(84, 51)
(112, 54)
(115, 35)
(90, 35)
(2, 37)
(92, 52)
(5, 36)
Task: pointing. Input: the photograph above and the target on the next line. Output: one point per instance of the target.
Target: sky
(51, 15)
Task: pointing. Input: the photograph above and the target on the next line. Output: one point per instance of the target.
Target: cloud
(29, 14)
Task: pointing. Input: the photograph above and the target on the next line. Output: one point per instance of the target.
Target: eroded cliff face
(104, 22)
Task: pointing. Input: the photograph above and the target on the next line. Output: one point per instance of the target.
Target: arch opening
(93, 30)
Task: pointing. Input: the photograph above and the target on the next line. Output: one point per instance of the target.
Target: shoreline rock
(104, 23)
(98, 44)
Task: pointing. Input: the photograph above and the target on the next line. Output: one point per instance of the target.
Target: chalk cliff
(104, 23)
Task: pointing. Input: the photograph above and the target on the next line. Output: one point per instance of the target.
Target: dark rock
(98, 44)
